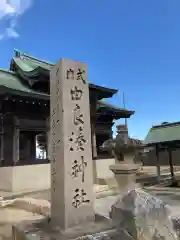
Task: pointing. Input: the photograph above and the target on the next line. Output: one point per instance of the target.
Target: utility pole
(124, 105)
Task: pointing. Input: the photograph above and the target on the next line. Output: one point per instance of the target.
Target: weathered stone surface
(37, 206)
(143, 216)
(9, 216)
(123, 148)
(125, 175)
(34, 232)
(71, 156)
(175, 216)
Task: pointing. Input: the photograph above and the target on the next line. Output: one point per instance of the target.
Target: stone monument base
(42, 229)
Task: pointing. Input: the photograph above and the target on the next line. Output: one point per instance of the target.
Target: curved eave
(30, 72)
(127, 114)
(5, 91)
(117, 114)
(9, 91)
(33, 73)
(27, 69)
(104, 92)
(110, 109)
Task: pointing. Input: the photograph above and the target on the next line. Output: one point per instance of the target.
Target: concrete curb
(104, 194)
(11, 196)
(163, 191)
(100, 194)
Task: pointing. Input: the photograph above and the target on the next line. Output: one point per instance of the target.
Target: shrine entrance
(27, 147)
(41, 146)
(32, 148)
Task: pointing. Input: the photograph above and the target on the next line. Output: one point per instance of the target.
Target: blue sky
(133, 46)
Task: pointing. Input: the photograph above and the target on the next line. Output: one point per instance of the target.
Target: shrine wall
(102, 168)
(31, 177)
(6, 178)
(25, 178)
(35, 177)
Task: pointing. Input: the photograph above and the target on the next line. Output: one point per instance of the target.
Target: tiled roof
(31, 66)
(11, 83)
(27, 67)
(108, 107)
(167, 132)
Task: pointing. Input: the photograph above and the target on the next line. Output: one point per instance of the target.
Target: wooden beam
(1, 138)
(171, 163)
(158, 163)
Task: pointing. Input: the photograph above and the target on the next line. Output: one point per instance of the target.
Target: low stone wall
(6, 178)
(36, 177)
(103, 174)
(24, 178)
(102, 168)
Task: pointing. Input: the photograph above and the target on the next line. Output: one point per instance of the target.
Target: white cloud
(10, 10)
(12, 33)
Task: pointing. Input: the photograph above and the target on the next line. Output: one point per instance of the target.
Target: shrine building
(24, 116)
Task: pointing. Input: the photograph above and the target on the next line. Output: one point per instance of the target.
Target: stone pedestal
(41, 230)
(125, 175)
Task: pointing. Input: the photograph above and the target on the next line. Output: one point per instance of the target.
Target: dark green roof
(29, 66)
(167, 132)
(108, 107)
(9, 82)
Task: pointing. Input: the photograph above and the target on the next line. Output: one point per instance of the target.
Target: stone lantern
(125, 148)
(125, 168)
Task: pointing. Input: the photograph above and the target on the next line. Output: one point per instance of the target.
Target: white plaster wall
(31, 177)
(103, 174)
(6, 175)
(102, 168)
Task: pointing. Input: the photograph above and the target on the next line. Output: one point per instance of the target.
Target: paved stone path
(169, 196)
(102, 206)
(10, 216)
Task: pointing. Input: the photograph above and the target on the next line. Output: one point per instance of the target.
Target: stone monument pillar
(71, 154)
